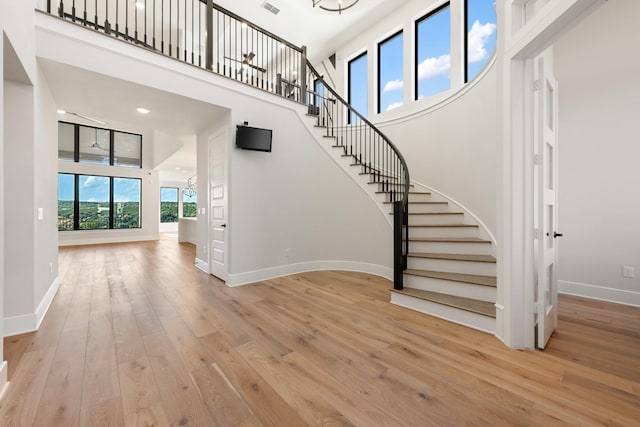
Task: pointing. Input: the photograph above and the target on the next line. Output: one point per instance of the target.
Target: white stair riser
(443, 231)
(450, 266)
(436, 219)
(462, 317)
(451, 248)
(431, 207)
(459, 289)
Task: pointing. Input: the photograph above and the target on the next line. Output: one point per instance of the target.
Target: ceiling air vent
(271, 8)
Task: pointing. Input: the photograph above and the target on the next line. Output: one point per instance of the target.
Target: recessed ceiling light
(178, 169)
(62, 112)
(139, 5)
(142, 110)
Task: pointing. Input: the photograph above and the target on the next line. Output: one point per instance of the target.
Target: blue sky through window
(358, 86)
(481, 35)
(433, 38)
(96, 188)
(169, 194)
(390, 80)
(189, 199)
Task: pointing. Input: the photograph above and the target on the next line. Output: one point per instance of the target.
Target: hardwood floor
(138, 336)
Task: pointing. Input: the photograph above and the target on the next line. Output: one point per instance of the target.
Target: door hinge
(537, 85)
(537, 159)
(537, 233)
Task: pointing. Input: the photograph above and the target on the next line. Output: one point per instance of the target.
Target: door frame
(528, 28)
(222, 134)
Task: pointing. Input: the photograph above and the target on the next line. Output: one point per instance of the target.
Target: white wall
(295, 208)
(448, 139)
(599, 105)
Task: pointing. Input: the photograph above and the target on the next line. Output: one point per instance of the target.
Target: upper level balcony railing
(197, 32)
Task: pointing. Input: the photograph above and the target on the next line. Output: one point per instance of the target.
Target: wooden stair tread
(454, 257)
(480, 307)
(473, 279)
(423, 203)
(449, 239)
(444, 225)
(432, 213)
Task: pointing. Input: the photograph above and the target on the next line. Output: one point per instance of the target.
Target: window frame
(349, 62)
(76, 202)
(76, 145)
(400, 32)
(183, 203)
(416, 60)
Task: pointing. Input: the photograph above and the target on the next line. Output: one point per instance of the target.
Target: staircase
(451, 271)
(442, 266)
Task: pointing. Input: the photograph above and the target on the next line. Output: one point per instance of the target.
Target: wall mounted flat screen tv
(250, 138)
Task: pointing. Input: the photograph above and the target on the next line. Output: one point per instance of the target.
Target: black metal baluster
(145, 23)
(126, 21)
(193, 34)
(178, 30)
(170, 38)
(95, 16)
(107, 25)
(162, 26)
(135, 24)
(185, 30)
(153, 39)
(117, 19)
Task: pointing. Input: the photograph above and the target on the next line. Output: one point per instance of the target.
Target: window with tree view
(91, 202)
(66, 197)
(189, 203)
(168, 204)
(126, 202)
(433, 52)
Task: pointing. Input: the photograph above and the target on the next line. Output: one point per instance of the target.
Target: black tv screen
(250, 138)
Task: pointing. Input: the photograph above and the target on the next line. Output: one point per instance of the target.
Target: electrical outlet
(628, 271)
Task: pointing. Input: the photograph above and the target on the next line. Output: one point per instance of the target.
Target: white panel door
(218, 206)
(546, 122)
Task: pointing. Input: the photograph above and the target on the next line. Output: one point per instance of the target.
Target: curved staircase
(451, 271)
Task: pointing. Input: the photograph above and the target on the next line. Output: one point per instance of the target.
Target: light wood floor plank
(137, 336)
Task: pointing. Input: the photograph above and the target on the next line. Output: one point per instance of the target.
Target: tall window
(92, 202)
(433, 52)
(168, 204)
(189, 203)
(88, 144)
(126, 203)
(480, 40)
(66, 198)
(93, 195)
(358, 86)
(390, 73)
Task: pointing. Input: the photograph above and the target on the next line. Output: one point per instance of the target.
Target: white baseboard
(201, 265)
(239, 279)
(44, 305)
(86, 239)
(30, 322)
(4, 384)
(619, 296)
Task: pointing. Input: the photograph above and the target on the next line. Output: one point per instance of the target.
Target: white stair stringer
(452, 314)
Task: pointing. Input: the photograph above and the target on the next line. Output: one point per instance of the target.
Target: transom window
(88, 144)
(480, 41)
